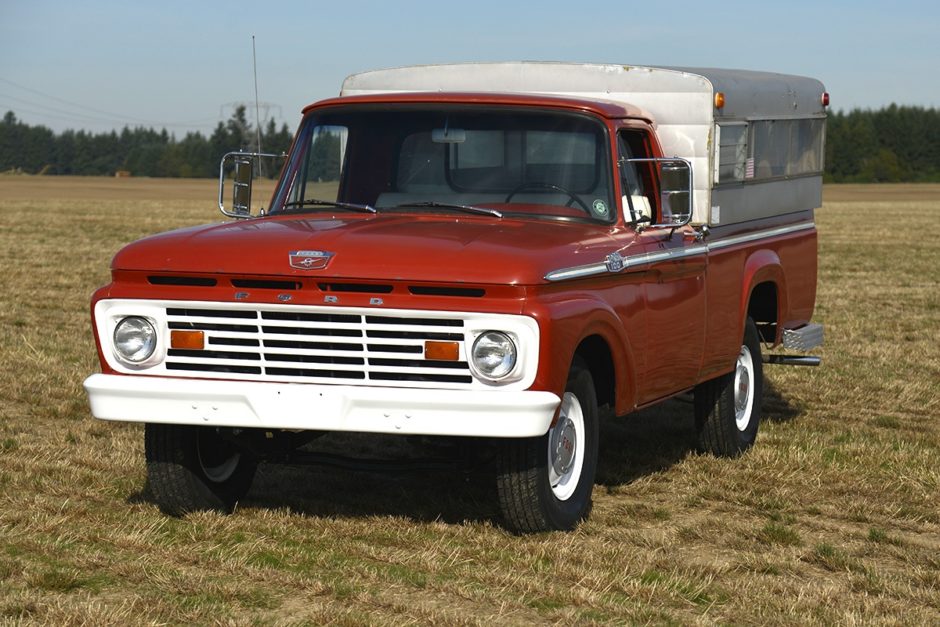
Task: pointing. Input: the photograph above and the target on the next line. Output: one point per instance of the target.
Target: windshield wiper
(328, 203)
(446, 205)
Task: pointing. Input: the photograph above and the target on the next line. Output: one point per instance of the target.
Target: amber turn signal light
(192, 340)
(442, 351)
(719, 100)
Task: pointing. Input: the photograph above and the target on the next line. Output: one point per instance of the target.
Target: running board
(792, 360)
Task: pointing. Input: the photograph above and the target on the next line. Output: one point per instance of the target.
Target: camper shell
(758, 154)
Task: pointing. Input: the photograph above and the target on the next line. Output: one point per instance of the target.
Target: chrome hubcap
(564, 444)
(565, 451)
(743, 389)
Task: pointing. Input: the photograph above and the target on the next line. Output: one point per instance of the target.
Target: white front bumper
(320, 407)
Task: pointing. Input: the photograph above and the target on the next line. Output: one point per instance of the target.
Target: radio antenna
(254, 63)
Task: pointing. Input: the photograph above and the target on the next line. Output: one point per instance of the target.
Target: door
(673, 280)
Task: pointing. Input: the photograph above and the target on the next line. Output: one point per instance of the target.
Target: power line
(72, 114)
(77, 118)
(19, 111)
(112, 117)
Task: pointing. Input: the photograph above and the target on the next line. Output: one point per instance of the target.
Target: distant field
(106, 188)
(832, 518)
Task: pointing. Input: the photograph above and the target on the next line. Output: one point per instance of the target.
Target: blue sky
(101, 64)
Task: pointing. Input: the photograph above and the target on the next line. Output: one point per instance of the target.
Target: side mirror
(242, 177)
(241, 187)
(674, 175)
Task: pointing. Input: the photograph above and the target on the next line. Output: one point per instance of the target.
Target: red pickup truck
(482, 250)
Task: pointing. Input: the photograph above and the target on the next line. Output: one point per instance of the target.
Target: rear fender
(762, 266)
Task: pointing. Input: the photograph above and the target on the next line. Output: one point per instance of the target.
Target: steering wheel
(555, 188)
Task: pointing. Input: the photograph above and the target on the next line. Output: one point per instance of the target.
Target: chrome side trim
(751, 237)
(577, 272)
(615, 262)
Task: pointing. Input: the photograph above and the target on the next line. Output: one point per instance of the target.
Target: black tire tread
(174, 476)
(522, 475)
(716, 435)
(517, 485)
(714, 406)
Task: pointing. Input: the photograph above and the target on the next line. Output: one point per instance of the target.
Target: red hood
(438, 248)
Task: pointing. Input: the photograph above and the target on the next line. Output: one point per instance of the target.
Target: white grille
(317, 346)
(324, 344)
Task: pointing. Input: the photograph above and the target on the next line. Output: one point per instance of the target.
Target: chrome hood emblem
(309, 259)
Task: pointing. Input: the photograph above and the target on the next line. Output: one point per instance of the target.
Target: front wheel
(727, 409)
(191, 468)
(545, 483)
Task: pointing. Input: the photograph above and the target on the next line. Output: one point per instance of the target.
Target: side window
(323, 165)
(635, 177)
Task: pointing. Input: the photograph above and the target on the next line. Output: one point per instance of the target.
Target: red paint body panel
(610, 110)
(789, 262)
(410, 247)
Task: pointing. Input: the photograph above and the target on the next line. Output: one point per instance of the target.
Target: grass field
(833, 517)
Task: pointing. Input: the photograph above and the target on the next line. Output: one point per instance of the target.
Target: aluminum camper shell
(758, 154)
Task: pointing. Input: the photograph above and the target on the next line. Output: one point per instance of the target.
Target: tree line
(892, 144)
(139, 151)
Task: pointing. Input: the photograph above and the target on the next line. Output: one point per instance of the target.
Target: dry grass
(832, 518)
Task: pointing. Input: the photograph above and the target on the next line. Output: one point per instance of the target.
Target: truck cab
(490, 251)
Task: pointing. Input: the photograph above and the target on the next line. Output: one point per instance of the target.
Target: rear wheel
(192, 468)
(545, 483)
(727, 409)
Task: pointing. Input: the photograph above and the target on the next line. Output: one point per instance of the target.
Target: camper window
(787, 147)
(732, 152)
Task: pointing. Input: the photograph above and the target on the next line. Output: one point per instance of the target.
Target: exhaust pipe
(792, 360)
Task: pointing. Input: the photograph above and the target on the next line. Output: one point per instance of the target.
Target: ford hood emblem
(310, 259)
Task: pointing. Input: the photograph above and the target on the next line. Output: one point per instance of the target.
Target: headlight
(493, 355)
(134, 339)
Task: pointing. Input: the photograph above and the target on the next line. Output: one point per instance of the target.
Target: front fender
(565, 324)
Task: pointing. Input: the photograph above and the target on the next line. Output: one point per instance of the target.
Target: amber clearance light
(191, 340)
(442, 351)
(719, 100)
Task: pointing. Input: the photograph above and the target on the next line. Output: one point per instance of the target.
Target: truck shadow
(463, 492)
(776, 407)
(655, 439)
(631, 447)
(645, 442)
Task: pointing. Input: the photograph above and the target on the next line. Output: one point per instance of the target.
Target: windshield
(482, 160)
